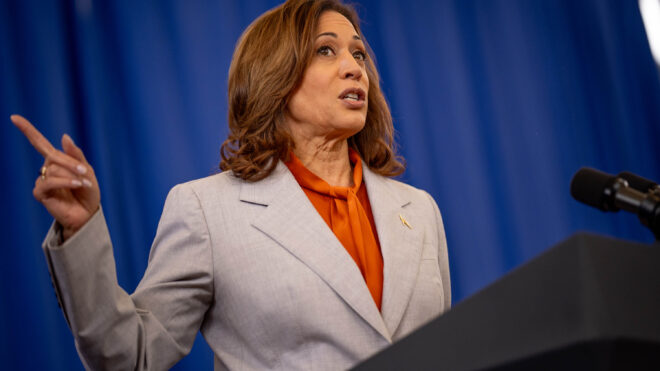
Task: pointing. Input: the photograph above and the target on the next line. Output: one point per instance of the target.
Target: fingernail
(87, 183)
(76, 183)
(81, 169)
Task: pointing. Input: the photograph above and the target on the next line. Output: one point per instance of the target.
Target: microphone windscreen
(588, 186)
(637, 182)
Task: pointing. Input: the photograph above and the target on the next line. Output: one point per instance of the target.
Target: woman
(302, 254)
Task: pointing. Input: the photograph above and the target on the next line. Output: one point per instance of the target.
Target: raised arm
(156, 326)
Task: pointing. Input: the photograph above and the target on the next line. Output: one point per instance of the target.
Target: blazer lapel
(401, 246)
(292, 221)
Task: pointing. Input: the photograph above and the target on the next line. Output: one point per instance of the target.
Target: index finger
(38, 141)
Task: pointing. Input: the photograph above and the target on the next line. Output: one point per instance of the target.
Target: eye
(359, 55)
(325, 51)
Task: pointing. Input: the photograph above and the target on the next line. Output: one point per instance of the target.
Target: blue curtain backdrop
(496, 104)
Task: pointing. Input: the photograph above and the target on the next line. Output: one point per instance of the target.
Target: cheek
(314, 89)
(304, 105)
(313, 100)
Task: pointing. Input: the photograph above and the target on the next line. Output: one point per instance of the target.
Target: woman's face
(331, 101)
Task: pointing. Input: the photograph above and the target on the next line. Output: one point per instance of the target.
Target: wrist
(69, 230)
(67, 233)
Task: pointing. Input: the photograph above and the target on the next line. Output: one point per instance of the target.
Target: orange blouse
(347, 212)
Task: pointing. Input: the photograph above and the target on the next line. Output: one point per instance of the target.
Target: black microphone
(613, 193)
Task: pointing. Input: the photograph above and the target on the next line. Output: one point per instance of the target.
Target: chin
(357, 120)
(354, 127)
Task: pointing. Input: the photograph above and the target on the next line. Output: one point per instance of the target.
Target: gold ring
(43, 171)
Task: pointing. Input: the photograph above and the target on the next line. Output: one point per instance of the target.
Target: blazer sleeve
(154, 327)
(443, 255)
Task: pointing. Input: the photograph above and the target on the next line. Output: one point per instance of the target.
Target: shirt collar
(311, 181)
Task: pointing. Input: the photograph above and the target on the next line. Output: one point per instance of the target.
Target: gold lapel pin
(404, 221)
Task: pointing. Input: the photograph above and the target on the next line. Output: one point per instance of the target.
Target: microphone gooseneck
(639, 183)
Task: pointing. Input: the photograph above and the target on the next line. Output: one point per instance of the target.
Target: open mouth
(353, 95)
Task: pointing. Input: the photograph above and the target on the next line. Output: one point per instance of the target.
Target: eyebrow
(332, 34)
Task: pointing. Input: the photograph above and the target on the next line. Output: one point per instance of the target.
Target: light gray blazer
(258, 271)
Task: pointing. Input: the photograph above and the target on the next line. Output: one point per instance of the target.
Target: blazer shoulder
(408, 191)
(224, 183)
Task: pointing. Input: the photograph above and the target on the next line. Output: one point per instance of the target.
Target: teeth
(351, 96)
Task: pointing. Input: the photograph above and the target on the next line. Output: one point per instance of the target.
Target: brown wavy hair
(268, 65)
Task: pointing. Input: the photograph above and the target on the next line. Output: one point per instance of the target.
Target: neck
(327, 159)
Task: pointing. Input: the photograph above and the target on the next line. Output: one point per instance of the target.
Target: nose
(349, 68)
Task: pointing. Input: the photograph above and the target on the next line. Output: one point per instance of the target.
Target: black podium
(589, 303)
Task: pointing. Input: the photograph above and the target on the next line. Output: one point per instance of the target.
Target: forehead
(331, 21)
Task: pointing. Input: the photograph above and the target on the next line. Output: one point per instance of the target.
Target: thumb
(71, 149)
